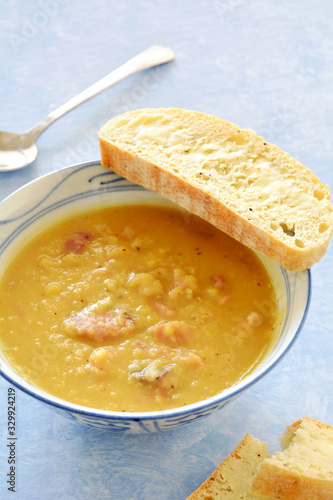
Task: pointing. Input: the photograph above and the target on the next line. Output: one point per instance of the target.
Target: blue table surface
(262, 64)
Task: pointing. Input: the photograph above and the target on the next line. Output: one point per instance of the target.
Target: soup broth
(136, 308)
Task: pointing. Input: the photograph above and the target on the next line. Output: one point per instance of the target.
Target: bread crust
(154, 177)
(285, 485)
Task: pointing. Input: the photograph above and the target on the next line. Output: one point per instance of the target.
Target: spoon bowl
(16, 151)
(19, 150)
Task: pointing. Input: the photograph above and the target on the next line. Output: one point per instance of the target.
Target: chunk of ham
(219, 281)
(164, 309)
(98, 326)
(174, 333)
(78, 242)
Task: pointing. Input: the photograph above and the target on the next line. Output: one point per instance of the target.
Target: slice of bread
(232, 479)
(250, 189)
(304, 470)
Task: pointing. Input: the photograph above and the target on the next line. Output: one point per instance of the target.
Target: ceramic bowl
(51, 197)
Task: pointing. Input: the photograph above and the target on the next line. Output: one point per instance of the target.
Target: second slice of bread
(232, 479)
(250, 189)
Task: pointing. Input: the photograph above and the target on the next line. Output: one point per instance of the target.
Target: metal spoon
(19, 150)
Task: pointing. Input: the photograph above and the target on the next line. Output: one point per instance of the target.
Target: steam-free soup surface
(136, 308)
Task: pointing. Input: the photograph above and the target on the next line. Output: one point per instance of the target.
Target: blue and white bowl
(76, 188)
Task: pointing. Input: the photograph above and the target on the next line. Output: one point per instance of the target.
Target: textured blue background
(262, 64)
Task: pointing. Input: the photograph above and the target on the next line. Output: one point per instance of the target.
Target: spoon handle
(153, 56)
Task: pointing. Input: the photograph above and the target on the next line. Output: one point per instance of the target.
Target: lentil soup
(136, 308)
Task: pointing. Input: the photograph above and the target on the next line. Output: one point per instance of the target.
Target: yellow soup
(136, 308)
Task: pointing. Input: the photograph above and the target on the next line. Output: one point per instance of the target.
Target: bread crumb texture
(250, 189)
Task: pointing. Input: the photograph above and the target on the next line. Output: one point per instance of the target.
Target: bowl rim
(214, 401)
